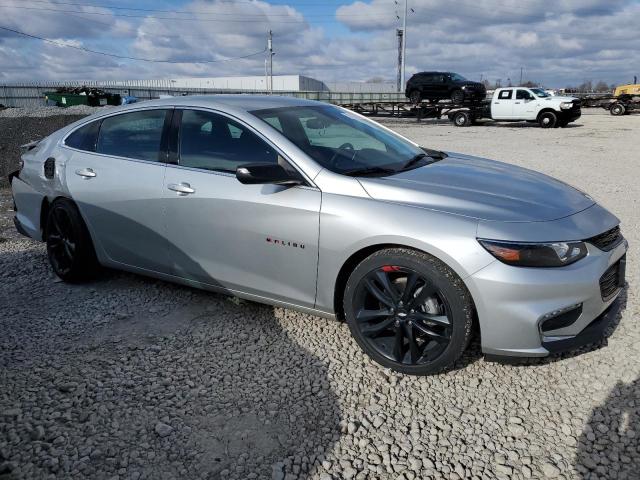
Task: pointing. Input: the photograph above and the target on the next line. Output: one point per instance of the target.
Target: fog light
(560, 318)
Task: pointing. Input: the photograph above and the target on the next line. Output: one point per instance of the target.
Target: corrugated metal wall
(32, 94)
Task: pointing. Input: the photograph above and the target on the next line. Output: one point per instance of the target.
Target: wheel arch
(546, 110)
(358, 256)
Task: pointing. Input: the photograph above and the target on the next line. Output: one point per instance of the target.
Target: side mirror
(265, 173)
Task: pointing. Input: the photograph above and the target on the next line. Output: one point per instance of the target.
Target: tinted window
(214, 142)
(133, 135)
(523, 95)
(505, 94)
(84, 138)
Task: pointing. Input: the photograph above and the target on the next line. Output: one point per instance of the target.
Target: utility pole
(400, 35)
(520, 84)
(404, 43)
(270, 58)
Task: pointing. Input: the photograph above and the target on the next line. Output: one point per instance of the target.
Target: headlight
(566, 105)
(553, 254)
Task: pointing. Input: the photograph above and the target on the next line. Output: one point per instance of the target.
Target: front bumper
(512, 302)
(570, 115)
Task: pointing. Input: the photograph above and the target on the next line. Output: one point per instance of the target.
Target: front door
(257, 239)
(525, 105)
(118, 188)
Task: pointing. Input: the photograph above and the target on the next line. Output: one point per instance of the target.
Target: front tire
(415, 97)
(457, 96)
(69, 246)
(547, 120)
(408, 311)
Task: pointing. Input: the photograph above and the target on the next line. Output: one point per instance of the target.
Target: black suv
(443, 85)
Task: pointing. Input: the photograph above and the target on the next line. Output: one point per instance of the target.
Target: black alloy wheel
(61, 241)
(69, 245)
(408, 311)
(402, 315)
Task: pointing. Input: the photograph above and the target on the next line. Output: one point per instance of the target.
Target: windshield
(457, 78)
(342, 141)
(540, 92)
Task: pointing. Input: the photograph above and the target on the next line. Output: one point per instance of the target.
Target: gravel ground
(132, 378)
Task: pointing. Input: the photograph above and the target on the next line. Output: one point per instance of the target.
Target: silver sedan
(310, 206)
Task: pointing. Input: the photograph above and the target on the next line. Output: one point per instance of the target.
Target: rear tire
(69, 245)
(617, 109)
(462, 119)
(415, 97)
(457, 96)
(547, 120)
(429, 324)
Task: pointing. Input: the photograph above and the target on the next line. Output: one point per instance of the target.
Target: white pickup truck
(517, 104)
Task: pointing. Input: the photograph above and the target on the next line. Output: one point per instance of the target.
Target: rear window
(505, 94)
(84, 138)
(136, 135)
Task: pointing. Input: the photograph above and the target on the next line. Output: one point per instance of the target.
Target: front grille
(608, 240)
(612, 279)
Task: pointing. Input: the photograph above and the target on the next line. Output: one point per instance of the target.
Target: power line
(267, 18)
(84, 49)
(183, 12)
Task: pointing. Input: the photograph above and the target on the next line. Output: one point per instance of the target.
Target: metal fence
(33, 94)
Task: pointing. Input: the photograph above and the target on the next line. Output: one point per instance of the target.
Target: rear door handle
(86, 173)
(182, 188)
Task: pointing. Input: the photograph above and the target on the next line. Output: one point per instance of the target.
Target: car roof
(246, 102)
(432, 73)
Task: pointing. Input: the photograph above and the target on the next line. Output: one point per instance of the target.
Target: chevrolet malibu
(313, 207)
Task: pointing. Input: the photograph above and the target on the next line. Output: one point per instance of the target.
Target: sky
(557, 43)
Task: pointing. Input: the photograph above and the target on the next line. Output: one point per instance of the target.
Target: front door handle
(86, 173)
(182, 188)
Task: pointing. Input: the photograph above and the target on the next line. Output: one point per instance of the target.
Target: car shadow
(617, 308)
(609, 446)
(157, 380)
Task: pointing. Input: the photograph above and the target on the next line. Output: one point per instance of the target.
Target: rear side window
(136, 135)
(505, 94)
(84, 138)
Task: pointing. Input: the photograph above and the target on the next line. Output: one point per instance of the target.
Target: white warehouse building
(282, 83)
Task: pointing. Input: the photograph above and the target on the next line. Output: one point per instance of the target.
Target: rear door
(117, 184)
(502, 104)
(257, 239)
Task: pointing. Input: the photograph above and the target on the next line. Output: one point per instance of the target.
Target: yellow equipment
(633, 89)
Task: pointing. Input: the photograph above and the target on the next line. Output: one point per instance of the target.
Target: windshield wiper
(369, 171)
(433, 154)
(414, 161)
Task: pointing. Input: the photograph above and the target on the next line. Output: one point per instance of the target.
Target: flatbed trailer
(466, 112)
(623, 105)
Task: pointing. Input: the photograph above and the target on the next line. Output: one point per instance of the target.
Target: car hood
(559, 98)
(469, 83)
(480, 188)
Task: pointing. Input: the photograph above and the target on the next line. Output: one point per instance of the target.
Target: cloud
(557, 44)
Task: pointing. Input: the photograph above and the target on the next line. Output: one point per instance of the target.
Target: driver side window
(523, 95)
